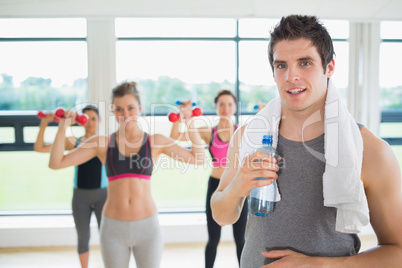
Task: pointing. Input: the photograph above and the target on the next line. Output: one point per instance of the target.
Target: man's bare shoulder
(373, 144)
(379, 160)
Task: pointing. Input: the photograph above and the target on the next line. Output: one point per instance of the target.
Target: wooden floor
(174, 256)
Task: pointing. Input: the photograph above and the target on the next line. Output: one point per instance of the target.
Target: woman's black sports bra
(139, 165)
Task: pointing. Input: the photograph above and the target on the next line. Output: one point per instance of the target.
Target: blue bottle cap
(267, 139)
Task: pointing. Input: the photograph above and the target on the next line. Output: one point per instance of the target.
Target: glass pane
(43, 28)
(171, 70)
(391, 130)
(7, 135)
(390, 78)
(338, 29)
(176, 184)
(35, 186)
(42, 75)
(175, 27)
(30, 133)
(255, 75)
(341, 74)
(179, 185)
(391, 30)
(398, 152)
(256, 27)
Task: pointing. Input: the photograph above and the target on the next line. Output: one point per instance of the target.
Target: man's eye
(305, 63)
(281, 66)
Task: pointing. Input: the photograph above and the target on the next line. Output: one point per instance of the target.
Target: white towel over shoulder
(342, 186)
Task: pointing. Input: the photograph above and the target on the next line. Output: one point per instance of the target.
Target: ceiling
(354, 10)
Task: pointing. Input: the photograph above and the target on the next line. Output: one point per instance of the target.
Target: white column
(364, 88)
(101, 41)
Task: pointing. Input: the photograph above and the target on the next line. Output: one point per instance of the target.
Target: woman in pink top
(130, 218)
(218, 139)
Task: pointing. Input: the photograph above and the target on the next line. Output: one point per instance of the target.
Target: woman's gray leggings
(143, 236)
(86, 201)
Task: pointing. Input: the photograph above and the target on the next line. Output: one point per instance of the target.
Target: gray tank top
(300, 221)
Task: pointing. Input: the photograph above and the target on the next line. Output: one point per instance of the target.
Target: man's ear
(330, 68)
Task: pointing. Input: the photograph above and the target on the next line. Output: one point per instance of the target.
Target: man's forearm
(226, 207)
(381, 256)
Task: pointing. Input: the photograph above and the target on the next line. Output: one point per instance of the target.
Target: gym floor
(174, 256)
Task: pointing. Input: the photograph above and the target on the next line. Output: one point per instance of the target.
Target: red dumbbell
(81, 119)
(60, 113)
(197, 111)
(40, 114)
(173, 117)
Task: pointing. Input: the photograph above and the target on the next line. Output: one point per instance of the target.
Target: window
(43, 66)
(390, 56)
(391, 85)
(170, 59)
(177, 59)
(170, 70)
(43, 63)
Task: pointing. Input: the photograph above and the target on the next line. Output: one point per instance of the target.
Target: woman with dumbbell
(218, 139)
(130, 219)
(90, 182)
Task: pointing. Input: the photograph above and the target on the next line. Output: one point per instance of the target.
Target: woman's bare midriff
(129, 199)
(217, 172)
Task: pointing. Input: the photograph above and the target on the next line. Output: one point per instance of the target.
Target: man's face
(299, 75)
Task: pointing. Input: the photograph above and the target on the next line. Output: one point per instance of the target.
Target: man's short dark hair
(295, 27)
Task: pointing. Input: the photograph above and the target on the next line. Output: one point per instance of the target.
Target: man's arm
(381, 176)
(238, 180)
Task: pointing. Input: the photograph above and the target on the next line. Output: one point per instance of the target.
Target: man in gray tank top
(301, 231)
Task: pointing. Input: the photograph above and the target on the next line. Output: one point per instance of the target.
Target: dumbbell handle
(178, 102)
(81, 119)
(173, 117)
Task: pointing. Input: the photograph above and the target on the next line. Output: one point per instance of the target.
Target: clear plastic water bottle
(261, 199)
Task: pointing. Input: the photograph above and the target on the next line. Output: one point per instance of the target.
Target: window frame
(391, 116)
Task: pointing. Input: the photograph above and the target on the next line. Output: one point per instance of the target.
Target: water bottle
(261, 199)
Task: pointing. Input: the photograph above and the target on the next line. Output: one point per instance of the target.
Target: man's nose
(292, 74)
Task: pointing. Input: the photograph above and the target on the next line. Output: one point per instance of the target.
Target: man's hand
(290, 259)
(254, 166)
